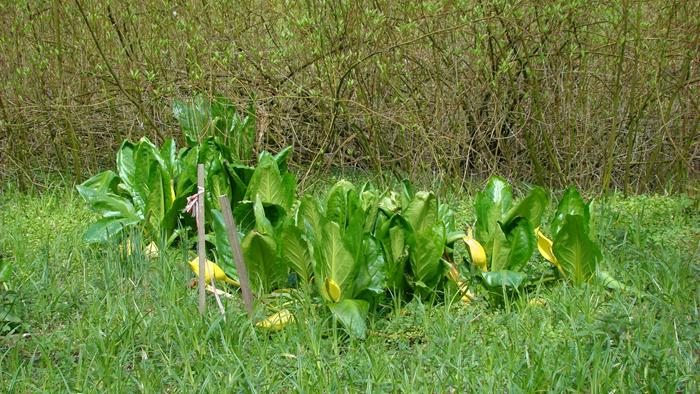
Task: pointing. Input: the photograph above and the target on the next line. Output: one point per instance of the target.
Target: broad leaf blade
(353, 315)
(530, 207)
(497, 281)
(336, 263)
(522, 243)
(576, 253)
(295, 252)
(223, 246)
(425, 250)
(260, 255)
(490, 205)
(267, 183)
(421, 213)
(571, 204)
(103, 182)
(106, 228)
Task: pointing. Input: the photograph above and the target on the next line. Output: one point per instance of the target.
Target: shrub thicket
(598, 93)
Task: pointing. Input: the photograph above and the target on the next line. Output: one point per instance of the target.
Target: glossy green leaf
(282, 158)
(391, 235)
(531, 207)
(576, 253)
(353, 315)
(223, 246)
(159, 200)
(425, 251)
(571, 203)
(308, 217)
(295, 252)
(103, 182)
(168, 155)
(267, 183)
(108, 227)
(522, 242)
(342, 201)
(490, 205)
(260, 255)
(421, 213)
(498, 280)
(262, 223)
(498, 251)
(110, 205)
(373, 267)
(336, 261)
(369, 203)
(126, 168)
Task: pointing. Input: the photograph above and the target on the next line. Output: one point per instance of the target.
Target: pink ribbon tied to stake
(193, 202)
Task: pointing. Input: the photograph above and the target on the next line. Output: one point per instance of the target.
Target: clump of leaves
(416, 233)
(504, 233)
(359, 246)
(573, 251)
(261, 217)
(148, 191)
(202, 119)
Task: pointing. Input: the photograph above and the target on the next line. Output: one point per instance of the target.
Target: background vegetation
(599, 93)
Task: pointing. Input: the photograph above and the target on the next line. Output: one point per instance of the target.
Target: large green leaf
(576, 253)
(159, 200)
(267, 183)
(497, 281)
(391, 234)
(109, 205)
(282, 157)
(522, 243)
(107, 227)
(499, 250)
(490, 205)
(530, 207)
(223, 246)
(571, 203)
(373, 267)
(353, 315)
(336, 261)
(369, 203)
(308, 217)
(342, 201)
(295, 252)
(103, 182)
(169, 157)
(425, 250)
(260, 255)
(421, 213)
(193, 116)
(126, 168)
(238, 184)
(513, 250)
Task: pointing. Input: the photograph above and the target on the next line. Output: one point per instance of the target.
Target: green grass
(98, 322)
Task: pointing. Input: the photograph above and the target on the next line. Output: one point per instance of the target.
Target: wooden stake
(201, 251)
(237, 254)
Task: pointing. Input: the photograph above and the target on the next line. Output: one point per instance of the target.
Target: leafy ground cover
(80, 317)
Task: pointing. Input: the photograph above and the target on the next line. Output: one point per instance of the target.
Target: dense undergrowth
(91, 319)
